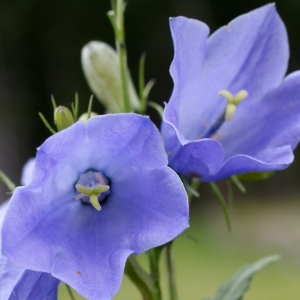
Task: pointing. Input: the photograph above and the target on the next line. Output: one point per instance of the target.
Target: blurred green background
(40, 44)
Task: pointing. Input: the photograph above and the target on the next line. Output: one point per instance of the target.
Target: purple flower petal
(18, 283)
(86, 248)
(27, 171)
(250, 53)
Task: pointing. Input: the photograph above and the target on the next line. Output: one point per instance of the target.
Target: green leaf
(157, 107)
(237, 286)
(237, 182)
(46, 123)
(191, 186)
(143, 100)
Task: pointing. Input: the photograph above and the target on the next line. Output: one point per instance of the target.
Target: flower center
(227, 114)
(93, 188)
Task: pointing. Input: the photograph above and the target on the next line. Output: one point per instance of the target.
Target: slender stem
(70, 292)
(170, 264)
(122, 53)
(154, 257)
(141, 279)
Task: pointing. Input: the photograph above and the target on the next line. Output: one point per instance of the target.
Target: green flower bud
(63, 117)
(84, 117)
(101, 69)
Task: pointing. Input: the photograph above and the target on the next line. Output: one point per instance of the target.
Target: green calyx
(93, 193)
(232, 102)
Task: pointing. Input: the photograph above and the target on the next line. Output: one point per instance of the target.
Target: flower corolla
(18, 283)
(231, 110)
(101, 190)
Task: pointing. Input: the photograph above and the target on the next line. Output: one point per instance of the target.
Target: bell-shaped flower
(18, 283)
(101, 190)
(231, 110)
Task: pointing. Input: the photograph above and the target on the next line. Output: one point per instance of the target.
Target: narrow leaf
(214, 188)
(143, 100)
(148, 88)
(90, 107)
(75, 107)
(230, 194)
(237, 182)
(237, 286)
(191, 186)
(10, 185)
(46, 123)
(157, 107)
(53, 102)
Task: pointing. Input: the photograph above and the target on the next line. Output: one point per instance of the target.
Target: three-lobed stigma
(232, 102)
(91, 186)
(227, 114)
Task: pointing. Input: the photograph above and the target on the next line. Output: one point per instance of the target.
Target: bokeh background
(40, 44)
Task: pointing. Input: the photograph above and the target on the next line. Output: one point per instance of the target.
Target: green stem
(141, 279)
(70, 292)
(122, 53)
(154, 257)
(170, 265)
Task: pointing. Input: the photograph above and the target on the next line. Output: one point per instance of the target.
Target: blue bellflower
(100, 191)
(231, 110)
(18, 283)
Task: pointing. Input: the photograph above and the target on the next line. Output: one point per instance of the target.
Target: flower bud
(63, 117)
(101, 69)
(84, 117)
